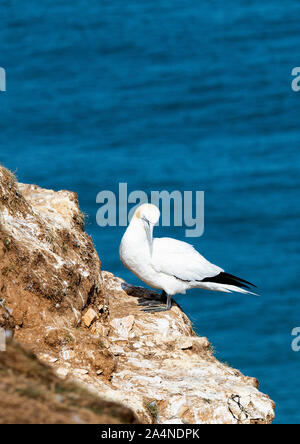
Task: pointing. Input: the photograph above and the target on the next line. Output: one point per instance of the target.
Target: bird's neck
(135, 237)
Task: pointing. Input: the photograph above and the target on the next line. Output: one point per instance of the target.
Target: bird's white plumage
(164, 263)
(177, 258)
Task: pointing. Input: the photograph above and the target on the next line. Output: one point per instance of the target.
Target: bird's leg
(159, 308)
(169, 302)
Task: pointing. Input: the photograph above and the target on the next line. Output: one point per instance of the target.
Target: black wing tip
(229, 279)
(240, 279)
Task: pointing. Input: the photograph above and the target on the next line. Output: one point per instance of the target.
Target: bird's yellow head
(148, 212)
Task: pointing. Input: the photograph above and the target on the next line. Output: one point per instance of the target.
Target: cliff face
(31, 393)
(88, 325)
(49, 267)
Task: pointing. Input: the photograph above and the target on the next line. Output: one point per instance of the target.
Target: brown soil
(30, 393)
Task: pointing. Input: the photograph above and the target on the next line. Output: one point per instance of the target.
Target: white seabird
(168, 264)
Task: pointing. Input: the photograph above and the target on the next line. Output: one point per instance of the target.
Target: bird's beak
(149, 233)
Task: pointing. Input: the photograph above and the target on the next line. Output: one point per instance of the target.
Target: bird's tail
(228, 283)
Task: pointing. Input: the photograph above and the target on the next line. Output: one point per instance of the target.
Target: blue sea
(174, 95)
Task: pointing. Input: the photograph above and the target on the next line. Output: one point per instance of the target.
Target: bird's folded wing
(181, 260)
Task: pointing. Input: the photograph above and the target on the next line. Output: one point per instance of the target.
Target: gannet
(168, 264)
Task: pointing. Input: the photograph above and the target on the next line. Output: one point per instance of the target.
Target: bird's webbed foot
(156, 309)
(144, 303)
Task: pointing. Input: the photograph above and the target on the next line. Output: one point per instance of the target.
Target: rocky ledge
(88, 326)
